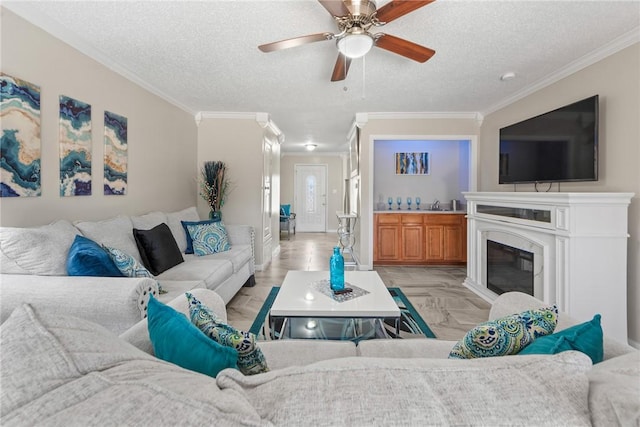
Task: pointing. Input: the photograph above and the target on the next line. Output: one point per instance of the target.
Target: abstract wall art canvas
(115, 154)
(412, 164)
(75, 147)
(20, 144)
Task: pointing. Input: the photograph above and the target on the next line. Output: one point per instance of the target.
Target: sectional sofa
(33, 268)
(62, 370)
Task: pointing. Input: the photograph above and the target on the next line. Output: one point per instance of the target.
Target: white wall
(443, 183)
(161, 137)
(617, 80)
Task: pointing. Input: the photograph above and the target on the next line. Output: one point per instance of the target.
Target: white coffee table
(299, 298)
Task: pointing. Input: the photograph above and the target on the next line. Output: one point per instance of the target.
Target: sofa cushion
(360, 391)
(614, 390)
(209, 238)
(149, 220)
(174, 220)
(238, 255)
(250, 358)
(67, 371)
(158, 248)
(185, 224)
(211, 271)
(506, 335)
(37, 250)
(176, 340)
(87, 258)
(585, 337)
(114, 232)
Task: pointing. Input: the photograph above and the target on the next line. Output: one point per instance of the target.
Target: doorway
(310, 197)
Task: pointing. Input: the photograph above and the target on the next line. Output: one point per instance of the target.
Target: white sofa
(33, 268)
(61, 370)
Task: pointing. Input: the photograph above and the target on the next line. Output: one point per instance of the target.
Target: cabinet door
(412, 243)
(434, 242)
(453, 243)
(387, 243)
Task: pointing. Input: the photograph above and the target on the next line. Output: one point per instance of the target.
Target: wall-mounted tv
(558, 146)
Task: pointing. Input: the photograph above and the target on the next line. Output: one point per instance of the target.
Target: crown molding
(31, 14)
(614, 46)
(311, 154)
(474, 115)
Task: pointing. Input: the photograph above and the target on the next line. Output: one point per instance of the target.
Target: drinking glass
(418, 202)
(390, 201)
(409, 203)
(399, 202)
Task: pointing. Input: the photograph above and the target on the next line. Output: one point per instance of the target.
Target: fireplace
(568, 249)
(509, 269)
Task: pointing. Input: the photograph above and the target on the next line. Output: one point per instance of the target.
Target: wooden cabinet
(420, 239)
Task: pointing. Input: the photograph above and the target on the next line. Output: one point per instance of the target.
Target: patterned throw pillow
(128, 265)
(506, 335)
(209, 238)
(250, 358)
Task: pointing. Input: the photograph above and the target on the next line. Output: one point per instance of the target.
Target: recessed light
(508, 76)
(310, 147)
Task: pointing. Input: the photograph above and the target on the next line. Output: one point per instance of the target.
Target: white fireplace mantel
(579, 242)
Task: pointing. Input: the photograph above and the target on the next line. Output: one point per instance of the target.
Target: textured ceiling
(203, 56)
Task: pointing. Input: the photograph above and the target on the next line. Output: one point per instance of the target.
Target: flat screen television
(558, 146)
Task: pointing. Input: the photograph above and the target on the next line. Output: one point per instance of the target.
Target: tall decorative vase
(215, 215)
(336, 270)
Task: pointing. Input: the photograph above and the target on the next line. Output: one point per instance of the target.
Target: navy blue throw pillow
(87, 258)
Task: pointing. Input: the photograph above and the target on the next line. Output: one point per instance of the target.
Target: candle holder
(399, 202)
(418, 203)
(409, 203)
(390, 201)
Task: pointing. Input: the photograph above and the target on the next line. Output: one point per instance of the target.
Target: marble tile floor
(437, 293)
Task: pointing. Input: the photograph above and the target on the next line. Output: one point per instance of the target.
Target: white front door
(310, 203)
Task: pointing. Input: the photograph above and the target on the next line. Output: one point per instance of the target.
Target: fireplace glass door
(509, 269)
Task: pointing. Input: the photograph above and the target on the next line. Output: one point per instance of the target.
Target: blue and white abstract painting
(20, 144)
(115, 154)
(75, 147)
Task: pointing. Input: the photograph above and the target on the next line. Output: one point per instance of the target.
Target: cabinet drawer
(387, 219)
(412, 219)
(444, 219)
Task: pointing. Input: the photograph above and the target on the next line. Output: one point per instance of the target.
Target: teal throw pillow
(189, 249)
(285, 210)
(175, 339)
(129, 266)
(586, 337)
(251, 360)
(506, 335)
(88, 258)
(209, 238)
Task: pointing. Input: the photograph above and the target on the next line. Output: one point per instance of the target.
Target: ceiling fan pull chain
(363, 77)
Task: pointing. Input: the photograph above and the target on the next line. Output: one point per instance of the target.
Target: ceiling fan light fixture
(355, 45)
(310, 147)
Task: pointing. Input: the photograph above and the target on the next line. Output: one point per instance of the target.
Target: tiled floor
(437, 293)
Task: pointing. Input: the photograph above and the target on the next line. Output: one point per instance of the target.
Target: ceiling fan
(354, 19)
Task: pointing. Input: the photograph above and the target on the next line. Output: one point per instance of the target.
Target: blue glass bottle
(336, 270)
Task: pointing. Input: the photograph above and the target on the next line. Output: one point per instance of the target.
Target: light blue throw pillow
(88, 258)
(251, 360)
(209, 238)
(129, 266)
(175, 339)
(185, 224)
(586, 337)
(507, 335)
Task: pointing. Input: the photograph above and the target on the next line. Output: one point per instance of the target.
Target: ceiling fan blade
(296, 41)
(341, 68)
(404, 47)
(397, 8)
(335, 7)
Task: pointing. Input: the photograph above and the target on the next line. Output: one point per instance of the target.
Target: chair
(287, 220)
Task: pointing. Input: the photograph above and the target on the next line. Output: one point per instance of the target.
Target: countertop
(421, 211)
